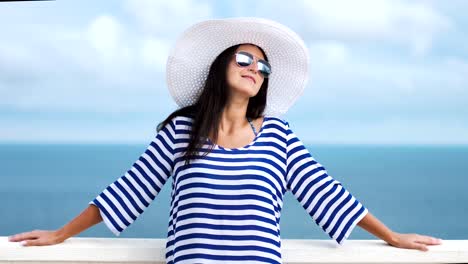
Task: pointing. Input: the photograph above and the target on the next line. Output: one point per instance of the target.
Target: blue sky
(382, 72)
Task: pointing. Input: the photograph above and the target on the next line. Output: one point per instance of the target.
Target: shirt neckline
(216, 146)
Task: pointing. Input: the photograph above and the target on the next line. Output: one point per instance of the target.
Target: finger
(33, 242)
(428, 240)
(420, 247)
(23, 236)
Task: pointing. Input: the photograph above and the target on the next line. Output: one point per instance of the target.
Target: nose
(253, 67)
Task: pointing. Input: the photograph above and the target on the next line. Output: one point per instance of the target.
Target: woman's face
(245, 80)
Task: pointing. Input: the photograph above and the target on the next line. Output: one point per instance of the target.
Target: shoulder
(278, 121)
(182, 121)
(277, 125)
(176, 125)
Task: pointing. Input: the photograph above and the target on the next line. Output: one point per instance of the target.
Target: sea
(411, 189)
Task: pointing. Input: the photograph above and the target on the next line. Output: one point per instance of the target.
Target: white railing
(120, 250)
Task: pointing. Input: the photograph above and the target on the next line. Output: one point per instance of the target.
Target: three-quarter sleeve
(331, 206)
(126, 198)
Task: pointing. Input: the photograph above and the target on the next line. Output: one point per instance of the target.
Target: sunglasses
(245, 59)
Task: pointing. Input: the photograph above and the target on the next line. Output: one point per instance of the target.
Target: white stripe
(119, 207)
(226, 241)
(137, 186)
(150, 173)
(132, 194)
(225, 212)
(332, 207)
(311, 190)
(318, 197)
(273, 228)
(124, 198)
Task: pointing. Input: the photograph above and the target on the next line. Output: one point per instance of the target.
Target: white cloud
(154, 53)
(105, 36)
(339, 71)
(98, 66)
(413, 25)
(329, 52)
(168, 18)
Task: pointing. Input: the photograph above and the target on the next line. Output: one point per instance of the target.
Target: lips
(250, 77)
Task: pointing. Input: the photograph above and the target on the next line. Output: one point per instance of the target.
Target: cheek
(231, 75)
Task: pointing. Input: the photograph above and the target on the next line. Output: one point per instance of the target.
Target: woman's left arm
(411, 241)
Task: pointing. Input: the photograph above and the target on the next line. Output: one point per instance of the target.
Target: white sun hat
(190, 59)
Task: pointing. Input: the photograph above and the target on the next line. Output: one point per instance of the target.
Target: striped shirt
(226, 206)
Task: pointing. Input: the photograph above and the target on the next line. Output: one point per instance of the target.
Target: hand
(414, 241)
(37, 238)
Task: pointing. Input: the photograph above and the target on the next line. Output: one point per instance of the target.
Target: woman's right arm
(89, 217)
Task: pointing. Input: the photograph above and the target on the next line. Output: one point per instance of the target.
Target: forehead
(252, 49)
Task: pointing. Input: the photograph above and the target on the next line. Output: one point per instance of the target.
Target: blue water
(411, 189)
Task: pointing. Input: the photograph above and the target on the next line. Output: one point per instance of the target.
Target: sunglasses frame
(256, 60)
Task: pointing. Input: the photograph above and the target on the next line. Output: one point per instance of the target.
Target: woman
(230, 156)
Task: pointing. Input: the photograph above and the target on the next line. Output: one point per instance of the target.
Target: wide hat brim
(190, 59)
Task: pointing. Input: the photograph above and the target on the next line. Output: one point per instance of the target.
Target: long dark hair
(207, 110)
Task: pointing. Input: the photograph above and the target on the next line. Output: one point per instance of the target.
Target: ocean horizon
(410, 188)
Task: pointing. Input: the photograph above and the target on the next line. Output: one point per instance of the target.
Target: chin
(247, 91)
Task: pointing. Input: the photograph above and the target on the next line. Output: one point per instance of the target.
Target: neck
(233, 117)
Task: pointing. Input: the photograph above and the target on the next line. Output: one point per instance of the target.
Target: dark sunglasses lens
(243, 59)
(264, 68)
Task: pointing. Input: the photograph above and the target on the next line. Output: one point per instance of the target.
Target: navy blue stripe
(232, 153)
(226, 227)
(121, 202)
(141, 184)
(225, 207)
(310, 162)
(315, 193)
(300, 196)
(322, 199)
(333, 214)
(225, 258)
(225, 217)
(135, 191)
(149, 178)
(158, 161)
(218, 187)
(330, 204)
(167, 145)
(240, 159)
(342, 217)
(227, 247)
(234, 177)
(228, 197)
(276, 135)
(128, 196)
(227, 237)
(115, 210)
(226, 168)
(292, 176)
(348, 225)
